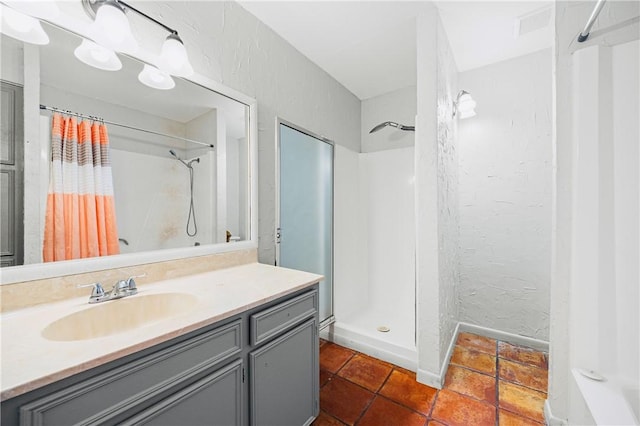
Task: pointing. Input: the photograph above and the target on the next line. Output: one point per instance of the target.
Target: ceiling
(369, 46)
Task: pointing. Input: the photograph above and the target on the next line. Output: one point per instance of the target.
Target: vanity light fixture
(464, 104)
(155, 78)
(97, 56)
(22, 27)
(111, 29)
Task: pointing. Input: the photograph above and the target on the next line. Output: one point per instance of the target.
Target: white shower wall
(388, 180)
(374, 266)
(157, 209)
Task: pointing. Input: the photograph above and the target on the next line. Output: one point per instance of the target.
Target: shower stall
(375, 254)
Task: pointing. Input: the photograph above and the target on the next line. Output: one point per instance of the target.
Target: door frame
(280, 121)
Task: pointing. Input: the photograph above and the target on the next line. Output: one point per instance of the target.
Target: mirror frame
(38, 271)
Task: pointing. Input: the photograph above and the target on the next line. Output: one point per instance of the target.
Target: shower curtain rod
(126, 126)
(584, 35)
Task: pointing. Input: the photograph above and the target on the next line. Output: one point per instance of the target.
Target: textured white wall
(448, 216)
(505, 196)
(398, 106)
(436, 199)
(228, 44)
(426, 191)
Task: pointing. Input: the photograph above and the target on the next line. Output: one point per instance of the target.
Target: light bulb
(112, 20)
(111, 28)
(465, 105)
(97, 56)
(19, 21)
(156, 79)
(22, 27)
(173, 57)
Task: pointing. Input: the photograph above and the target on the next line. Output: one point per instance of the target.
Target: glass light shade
(156, 79)
(22, 27)
(111, 29)
(466, 105)
(97, 56)
(173, 57)
(467, 114)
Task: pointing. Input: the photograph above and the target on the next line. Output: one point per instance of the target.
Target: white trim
(429, 379)
(38, 271)
(549, 418)
(504, 336)
(437, 380)
(449, 354)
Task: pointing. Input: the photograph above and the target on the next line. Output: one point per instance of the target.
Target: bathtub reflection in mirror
(179, 158)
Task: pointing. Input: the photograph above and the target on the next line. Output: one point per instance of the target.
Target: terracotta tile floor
(488, 383)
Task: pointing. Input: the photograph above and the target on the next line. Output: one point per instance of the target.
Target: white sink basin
(118, 316)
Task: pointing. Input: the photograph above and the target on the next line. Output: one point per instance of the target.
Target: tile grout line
(332, 416)
(524, 416)
(429, 416)
(497, 420)
(377, 392)
(433, 405)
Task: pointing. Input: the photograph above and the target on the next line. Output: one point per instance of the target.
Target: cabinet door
(113, 395)
(284, 378)
(213, 400)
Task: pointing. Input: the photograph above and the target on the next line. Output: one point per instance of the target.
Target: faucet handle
(131, 283)
(120, 286)
(97, 292)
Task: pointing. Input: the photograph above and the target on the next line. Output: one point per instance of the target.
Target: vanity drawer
(113, 394)
(279, 318)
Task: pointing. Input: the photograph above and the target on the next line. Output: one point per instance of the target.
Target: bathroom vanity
(245, 353)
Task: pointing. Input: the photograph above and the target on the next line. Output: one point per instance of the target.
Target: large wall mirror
(180, 159)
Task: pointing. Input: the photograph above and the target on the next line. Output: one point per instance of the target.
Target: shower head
(172, 152)
(392, 124)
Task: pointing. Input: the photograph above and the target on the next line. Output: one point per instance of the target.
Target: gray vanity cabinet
(115, 395)
(259, 367)
(215, 399)
(281, 372)
(283, 362)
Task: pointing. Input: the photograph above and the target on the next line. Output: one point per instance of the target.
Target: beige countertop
(29, 361)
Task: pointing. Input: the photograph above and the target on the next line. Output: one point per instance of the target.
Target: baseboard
(437, 380)
(504, 336)
(550, 419)
(427, 378)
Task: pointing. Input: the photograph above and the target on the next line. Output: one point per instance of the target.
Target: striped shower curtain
(80, 219)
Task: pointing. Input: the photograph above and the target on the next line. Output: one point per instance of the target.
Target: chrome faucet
(122, 288)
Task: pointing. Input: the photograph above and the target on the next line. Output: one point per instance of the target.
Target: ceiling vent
(533, 21)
